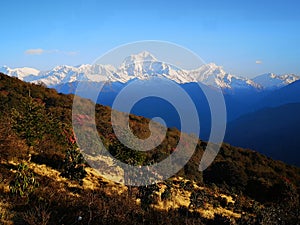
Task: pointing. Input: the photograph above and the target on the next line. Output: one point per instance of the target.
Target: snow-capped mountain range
(144, 66)
(271, 80)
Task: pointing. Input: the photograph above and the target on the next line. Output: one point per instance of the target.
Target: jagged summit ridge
(144, 66)
(140, 57)
(271, 80)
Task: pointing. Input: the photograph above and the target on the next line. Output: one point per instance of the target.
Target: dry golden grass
(95, 182)
(209, 212)
(6, 213)
(181, 198)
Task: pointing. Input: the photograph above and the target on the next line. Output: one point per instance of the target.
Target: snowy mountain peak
(143, 56)
(211, 69)
(213, 65)
(20, 73)
(215, 76)
(272, 75)
(271, 80)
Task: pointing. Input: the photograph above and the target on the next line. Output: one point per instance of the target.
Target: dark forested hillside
(282, 96)
(44, 179)
(272, 131)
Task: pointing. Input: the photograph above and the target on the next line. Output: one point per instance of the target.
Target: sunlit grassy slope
(240, 187)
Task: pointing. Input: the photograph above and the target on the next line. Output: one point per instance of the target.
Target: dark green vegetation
(44, 179)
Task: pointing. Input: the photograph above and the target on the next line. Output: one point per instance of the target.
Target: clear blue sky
(246, 37)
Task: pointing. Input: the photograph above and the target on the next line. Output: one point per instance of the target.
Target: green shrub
(167, 194)
(74, 166)
(30, 120)
(24, 182)
(126, 155)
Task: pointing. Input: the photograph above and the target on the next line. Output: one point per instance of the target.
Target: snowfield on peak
(142, 56)
(21, 73)
(215, 76)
